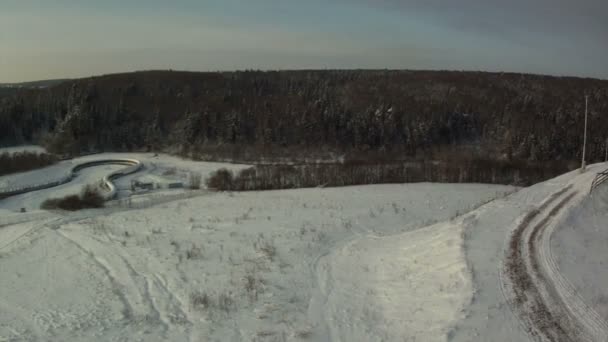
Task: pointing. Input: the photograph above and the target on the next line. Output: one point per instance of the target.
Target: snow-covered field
(413, 262)
(582, 242)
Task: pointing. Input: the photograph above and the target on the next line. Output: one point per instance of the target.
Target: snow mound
(385, 288)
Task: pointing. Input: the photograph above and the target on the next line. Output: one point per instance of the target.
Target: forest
(330, 115)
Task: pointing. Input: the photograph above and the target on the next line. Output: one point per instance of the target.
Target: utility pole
(584, 162)
(606, 157)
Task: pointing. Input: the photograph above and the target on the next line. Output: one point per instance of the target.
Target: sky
(47, 39)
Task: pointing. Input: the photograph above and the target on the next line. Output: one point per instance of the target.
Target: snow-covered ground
(495, 313)
(413, 262)
(582, 242)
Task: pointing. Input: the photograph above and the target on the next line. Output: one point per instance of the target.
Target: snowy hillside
(413, 262)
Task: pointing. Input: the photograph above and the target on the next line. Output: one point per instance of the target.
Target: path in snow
(491, 315)
(549, 307)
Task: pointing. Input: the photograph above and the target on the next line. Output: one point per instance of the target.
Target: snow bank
(413, 285)
(579, 246)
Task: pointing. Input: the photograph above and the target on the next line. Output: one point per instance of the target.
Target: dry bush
(221, 180)
(89, 198)
(225, 302)
(194, 252)
(269, 250)
(303, 334)
(199, 301)
(253, 285)
(194, 180)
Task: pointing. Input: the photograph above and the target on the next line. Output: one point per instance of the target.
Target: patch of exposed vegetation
(88, 198)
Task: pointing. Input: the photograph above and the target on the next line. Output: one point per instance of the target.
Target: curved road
(133, 165)
(549, 307)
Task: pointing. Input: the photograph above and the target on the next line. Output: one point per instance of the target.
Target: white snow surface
(382, 262)
(412, 262)
(582, 242)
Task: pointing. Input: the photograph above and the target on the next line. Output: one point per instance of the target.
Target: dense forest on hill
(7, 91)
(247, 115)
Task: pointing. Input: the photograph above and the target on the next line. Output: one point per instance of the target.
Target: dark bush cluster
(24, 161)
(89, 198)
(268, 177)
(221, 180)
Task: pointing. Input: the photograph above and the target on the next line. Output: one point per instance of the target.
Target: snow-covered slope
(580, 246)
(535, 304)
(245, 266)
(414, 262)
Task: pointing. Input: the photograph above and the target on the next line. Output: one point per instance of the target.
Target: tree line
(24, 161)
(314, 114)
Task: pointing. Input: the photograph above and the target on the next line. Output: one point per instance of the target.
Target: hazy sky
(42, 39)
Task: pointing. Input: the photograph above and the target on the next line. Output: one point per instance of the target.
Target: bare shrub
(303, 334)
(88, 198)
(266, 333)
(194, 180)
(267, 248)
(225, 302)
(91, 198)
(221, 180)
(253, 285)
(194, 253)
(199, 301)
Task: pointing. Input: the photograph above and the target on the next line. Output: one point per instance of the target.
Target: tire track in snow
(145, 295)
(128, 310)
(178, 314)
(33, 229)
(594, 326)
(548, 305)
(519, 280)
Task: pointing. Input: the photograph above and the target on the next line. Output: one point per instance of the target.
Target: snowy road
(547, 304)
